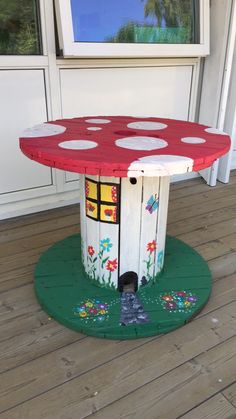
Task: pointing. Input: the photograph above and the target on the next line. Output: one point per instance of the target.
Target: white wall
(218, 94)
(146, 91)
(23, 103)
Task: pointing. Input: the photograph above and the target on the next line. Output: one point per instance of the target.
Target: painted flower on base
(151, 246)
(99, 263)
(112, 265)
(91, 262)
(90, 311)
(91, 250)
(178, 301)
(106, 244)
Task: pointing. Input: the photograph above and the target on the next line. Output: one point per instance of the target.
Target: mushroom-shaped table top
(124, 146)
(121, 270)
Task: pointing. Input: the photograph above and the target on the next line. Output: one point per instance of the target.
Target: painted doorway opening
(128, 282)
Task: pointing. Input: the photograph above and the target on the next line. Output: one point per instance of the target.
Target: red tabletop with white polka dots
(124, 146)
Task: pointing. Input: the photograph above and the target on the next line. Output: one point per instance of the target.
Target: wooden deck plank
(200, 208)
(204, 235)
(195, 186)
(217, 247)
(203, 220)
(118, 375)
(31, 219)
(29, 230)
(16, 278)
(209, 195)
(223, 266)
(179, 390)
(36, 241)
(230, 393)
(217, 407)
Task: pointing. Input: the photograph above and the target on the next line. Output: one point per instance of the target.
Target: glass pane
(136, 21)
(19, 27)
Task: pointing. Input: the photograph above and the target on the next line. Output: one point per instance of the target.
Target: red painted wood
(107, 159)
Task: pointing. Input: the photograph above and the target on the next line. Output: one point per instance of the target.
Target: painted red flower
(151, 246)
(91, 207)
(111, 265)
(91, 250)
(108, 212)
(167, 297)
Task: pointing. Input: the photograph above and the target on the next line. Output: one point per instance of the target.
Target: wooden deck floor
(48, 371)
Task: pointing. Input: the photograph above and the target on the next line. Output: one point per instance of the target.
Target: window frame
(70, 48)
(99, 202)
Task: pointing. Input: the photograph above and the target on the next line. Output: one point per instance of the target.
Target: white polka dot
(94, 128)
(43, 130)
(78, 144)
(98, 121)
(141, 143)
(148, 125)
(193, 140)
(163, 165)
(215, 131)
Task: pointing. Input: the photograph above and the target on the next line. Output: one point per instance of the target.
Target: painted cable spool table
(121, 277)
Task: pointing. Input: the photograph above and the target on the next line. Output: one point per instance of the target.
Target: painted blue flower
(160, 258)
(105, 244)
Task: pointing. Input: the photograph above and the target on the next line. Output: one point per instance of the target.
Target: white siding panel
(22, 104)
(71, 177)
(152, 91)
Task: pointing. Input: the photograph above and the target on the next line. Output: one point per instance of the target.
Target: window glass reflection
(136, 21)
(19, 27)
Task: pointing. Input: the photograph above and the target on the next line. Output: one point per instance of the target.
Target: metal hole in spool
(133, 180)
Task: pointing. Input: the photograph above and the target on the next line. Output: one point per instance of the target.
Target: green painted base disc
(69, 297)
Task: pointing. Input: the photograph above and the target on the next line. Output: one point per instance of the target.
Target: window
(102, 201)
(133, 27)
(19, 27)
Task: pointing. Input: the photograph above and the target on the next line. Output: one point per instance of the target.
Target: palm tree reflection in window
(174, 22)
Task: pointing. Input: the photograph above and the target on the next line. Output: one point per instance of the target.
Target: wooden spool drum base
(65, 293)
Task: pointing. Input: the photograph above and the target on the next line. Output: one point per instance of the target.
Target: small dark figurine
(143, 281)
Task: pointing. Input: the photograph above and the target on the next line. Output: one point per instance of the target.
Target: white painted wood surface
(83, 224)
(130, 224)
(162, 222)
(137, 243)
(149, 217)
(109, 233)
(100, 240)
(92, 234)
